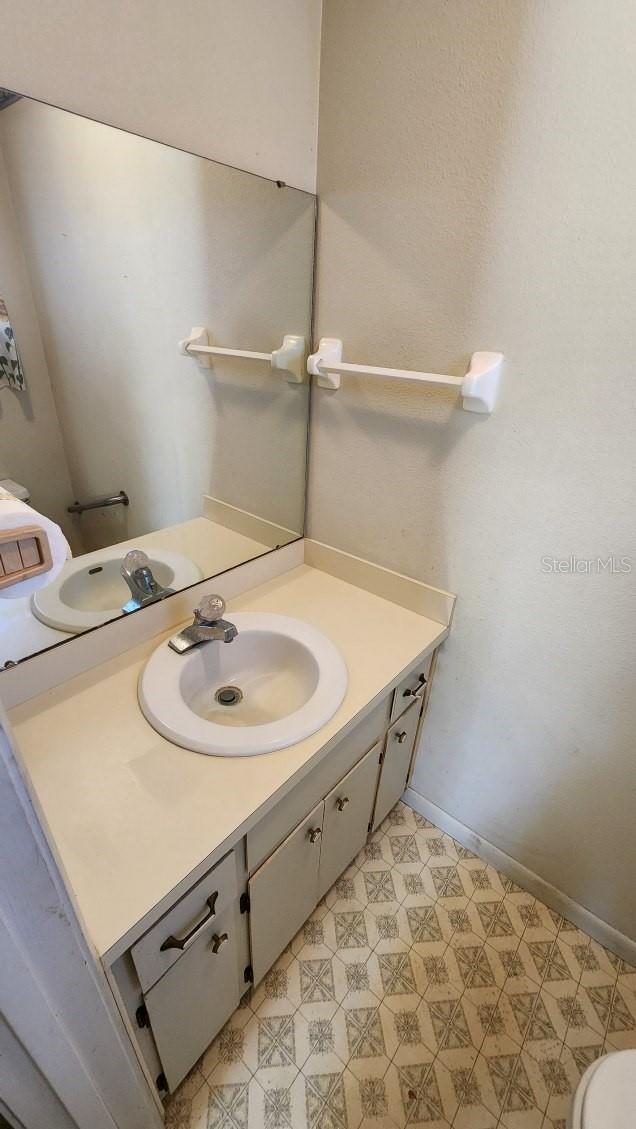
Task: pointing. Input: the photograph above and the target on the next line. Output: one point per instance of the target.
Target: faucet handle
(134, 559)
(210, 609)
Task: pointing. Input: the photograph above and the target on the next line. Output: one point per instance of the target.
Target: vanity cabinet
(395, 762)
(286, 887)
(182, 979)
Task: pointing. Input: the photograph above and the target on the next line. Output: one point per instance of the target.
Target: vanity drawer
(412, 686)
(194, 915)
(270, 832)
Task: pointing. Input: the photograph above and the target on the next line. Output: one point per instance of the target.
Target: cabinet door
(348, 809)
(195, 997)
(284, 891)
(396, 760)
(270, 832)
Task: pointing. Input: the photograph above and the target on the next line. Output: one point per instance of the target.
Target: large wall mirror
(114, 251)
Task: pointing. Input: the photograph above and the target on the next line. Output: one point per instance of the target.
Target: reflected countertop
(211, 546)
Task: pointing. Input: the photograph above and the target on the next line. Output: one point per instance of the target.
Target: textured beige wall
(478, 173)
(235, 81)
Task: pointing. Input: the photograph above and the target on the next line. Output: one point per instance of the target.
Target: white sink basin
(91, 590)
(284, 680)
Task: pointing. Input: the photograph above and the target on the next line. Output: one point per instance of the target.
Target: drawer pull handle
(314, 833)
(218, 941)
(421, 681)
(400, 737)
(342, 803)
(182, 943)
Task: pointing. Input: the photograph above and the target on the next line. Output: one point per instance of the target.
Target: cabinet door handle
(400, 737)
(181, 943)
(314, 833)
(409, 693)
(342, 803)
(218, 941)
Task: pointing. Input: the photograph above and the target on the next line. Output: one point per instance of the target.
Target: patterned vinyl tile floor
(426, 989)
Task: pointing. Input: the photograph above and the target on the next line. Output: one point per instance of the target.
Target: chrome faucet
(208, 623)
(144, 589)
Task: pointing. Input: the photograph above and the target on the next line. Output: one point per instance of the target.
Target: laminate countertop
(131, 815)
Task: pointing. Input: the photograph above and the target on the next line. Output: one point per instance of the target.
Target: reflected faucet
(208, 624)
(144, 589)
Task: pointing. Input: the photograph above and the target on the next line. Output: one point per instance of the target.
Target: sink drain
(229, 696)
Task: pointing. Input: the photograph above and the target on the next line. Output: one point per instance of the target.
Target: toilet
(605, 1098)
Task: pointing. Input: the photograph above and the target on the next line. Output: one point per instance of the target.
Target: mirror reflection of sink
(91, 590)
(277, 682)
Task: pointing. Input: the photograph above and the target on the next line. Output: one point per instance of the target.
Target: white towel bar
(479, 387)
(289, 358)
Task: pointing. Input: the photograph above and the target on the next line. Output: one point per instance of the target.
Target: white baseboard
(586, 920)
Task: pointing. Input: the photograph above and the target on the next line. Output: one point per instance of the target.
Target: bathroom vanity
(192, 873)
